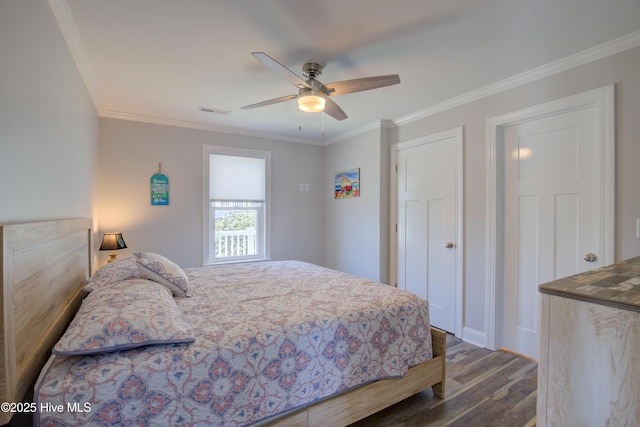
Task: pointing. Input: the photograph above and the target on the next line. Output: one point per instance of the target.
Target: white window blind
(236, 178)
(236, 206)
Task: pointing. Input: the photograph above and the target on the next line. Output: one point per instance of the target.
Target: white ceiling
(160, 60)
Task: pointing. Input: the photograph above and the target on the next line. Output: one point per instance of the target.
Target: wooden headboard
(43, 268)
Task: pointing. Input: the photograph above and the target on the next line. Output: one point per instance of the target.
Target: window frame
(263, 230)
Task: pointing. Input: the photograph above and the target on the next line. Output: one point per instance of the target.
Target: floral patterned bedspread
(270, 337)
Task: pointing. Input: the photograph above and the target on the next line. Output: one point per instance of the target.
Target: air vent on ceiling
(214, 110)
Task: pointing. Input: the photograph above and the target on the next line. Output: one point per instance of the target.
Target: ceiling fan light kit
(310, 101)
(313, 95)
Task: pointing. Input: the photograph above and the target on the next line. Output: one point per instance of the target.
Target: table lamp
(112, 242)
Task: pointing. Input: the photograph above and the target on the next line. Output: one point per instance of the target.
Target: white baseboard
(474, 337)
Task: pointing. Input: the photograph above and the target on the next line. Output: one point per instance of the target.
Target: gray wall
(48, 125)
(356, 229)
(129, 155)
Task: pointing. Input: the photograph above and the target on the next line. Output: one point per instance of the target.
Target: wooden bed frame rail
(43, 267)
(354, 405)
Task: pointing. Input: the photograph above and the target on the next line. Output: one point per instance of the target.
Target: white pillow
(160, 269)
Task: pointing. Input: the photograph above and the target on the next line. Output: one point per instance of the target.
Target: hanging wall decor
(159, 188)
(347, 184)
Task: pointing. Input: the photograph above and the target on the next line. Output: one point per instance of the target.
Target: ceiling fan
(313, 95)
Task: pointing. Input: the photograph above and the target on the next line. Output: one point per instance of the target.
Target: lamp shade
(112, 242)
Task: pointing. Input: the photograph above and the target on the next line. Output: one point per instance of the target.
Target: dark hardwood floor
(484, 388)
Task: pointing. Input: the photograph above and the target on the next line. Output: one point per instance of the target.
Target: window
(236, 213)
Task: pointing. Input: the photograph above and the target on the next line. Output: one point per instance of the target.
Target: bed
(303, 345)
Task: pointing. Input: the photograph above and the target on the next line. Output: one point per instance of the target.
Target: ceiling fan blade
(358, 85)
(274, 65)
(271, 101)
(332, 109)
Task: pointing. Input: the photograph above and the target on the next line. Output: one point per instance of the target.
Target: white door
(551, 213)
(427, 215)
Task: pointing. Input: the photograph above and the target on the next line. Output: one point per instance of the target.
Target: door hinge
(396, 228)
(396, 168)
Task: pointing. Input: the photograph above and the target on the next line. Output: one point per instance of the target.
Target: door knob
(449, 245)
(589, 257)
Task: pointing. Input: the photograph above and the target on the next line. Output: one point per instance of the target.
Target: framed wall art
(347, 184)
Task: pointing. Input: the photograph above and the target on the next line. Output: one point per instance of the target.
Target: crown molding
(67, 25)
(374, 125)
(136, 117)
(586, 56)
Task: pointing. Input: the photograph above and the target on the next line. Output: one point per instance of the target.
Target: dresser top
(616, 285)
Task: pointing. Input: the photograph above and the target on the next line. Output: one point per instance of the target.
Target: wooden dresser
(589, 371)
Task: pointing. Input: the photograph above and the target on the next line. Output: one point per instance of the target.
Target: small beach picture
(347, 184)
